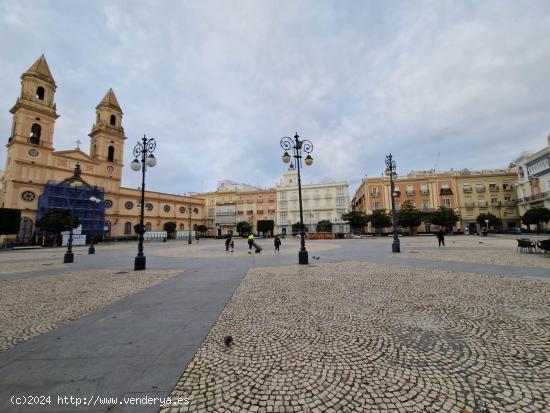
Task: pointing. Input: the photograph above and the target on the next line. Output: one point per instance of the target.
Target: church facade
(32, 163)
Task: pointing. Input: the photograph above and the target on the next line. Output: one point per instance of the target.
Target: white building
(228, 185)
(326, 201)
(533, 184)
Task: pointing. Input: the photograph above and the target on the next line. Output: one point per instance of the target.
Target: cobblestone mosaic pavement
(217, 248)
(353, 337)
(476, 250)
(33, 306)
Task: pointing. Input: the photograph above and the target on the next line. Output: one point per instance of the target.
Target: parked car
(515, 231)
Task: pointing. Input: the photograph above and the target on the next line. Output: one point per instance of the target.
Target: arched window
(111, 154)
(95, 150)
(148, 226)
(182, 226)
(127, 228)
(113, 120)
(36, 131)
(40, 93)
(97, 119)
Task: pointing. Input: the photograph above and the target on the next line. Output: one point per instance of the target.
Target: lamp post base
(139, 263)
(303, 258)
(68, 258)
(395, 247)
(91, 250)
(189, 241)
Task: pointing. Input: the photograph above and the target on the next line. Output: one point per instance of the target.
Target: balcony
(493, 188)
(469, 204)
(480, 189)
(250, 211)
(424, 192)
(482, 204)
(410, 193)
(375, 194)
(397, 193)
(445, 191)
(467, 189)
(534, 198)
(507, 187)
(510, 203)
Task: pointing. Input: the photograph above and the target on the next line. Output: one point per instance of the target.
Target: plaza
(462, 328)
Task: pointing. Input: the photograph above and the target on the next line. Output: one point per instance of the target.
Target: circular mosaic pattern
(353, 337)
(28, 196)
(33, 152)
(128, 204)
(149, 206)
(182, 210)
(108, 203)
(166, 208)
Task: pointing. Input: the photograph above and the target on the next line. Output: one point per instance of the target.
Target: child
(277, 243)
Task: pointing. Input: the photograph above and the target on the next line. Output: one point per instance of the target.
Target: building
(469, 193)
(235, 202)
(487, 191)
(32, 164)
(326, 201)
(533, 179)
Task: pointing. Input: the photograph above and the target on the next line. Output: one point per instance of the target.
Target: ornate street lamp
(95, 200)
(189, 240)
(76, 182)
(298, 146)
(390, 170)
(143, 150)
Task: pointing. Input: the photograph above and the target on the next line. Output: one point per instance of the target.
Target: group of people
(230, 244)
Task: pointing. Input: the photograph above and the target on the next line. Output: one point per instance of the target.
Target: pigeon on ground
(228, 340)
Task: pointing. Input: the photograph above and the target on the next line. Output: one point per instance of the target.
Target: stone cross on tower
(78, 142)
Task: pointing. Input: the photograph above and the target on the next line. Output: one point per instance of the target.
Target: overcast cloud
(218, 83)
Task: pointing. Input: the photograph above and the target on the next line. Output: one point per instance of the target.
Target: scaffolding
(60, 195)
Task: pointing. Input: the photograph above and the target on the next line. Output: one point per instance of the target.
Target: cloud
(219, 83)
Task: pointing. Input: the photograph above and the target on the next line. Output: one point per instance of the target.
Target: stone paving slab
(350, 337)
(33, 306)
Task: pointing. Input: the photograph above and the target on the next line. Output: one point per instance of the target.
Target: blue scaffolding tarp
(60, 195)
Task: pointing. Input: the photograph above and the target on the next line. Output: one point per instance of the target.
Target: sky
(439, 84)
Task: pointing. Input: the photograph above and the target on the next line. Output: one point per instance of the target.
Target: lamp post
(95, 200)
(390, 169)
(189, 240)
(76, 182)
(143, 150)
(298, 146)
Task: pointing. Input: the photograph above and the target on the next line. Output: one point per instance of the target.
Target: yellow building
(32, 163)
(487, 191)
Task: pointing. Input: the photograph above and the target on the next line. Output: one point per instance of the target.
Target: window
(467, 188)
(424, 189)
(97, 118)
(397, 206)
(282, 216)
(410, 190)
(493, 187)
(148, 226)
(36, 132)
(481, 202)
(447, 203)
(375, 206)
(506, 186)
(111, 154)
(40, 93)
(425, 205)
(494, 201)
(340, 190)
(480, 188)
(375, 191)
(113, 120)
(283, 195)
(127, 228)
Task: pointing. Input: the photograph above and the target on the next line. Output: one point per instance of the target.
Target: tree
(266, 226)
(408, 216)
(324, 226)
(202, 228)
(536, 216)
(170, 228)
(296, 227)
(57, 220)
(444, 217)
(10, 219)
(380, 219)
(494, 221)
(243, 228)
(356, 219)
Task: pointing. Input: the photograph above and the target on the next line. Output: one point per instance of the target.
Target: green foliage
(536, 216)
(408, 216)
(170, 227)
(494, 221)
(380, 219)
(296, 227)
(444, 217)
(356, 219)
(266, 225)
(57, 220)
(10, 220)
(202, 228)
(243, 227)
(324, 226)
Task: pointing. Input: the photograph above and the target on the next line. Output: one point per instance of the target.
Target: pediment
(76, 155)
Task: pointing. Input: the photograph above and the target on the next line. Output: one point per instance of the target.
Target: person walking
(277, 243)
(228, 242)
(232, 246)
(441, 237)
(250, 242)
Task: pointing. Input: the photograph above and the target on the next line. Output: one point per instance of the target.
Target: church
(36, 175)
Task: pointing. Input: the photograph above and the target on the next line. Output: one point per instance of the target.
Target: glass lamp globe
(309, 160)
(150, 161)
(76, 183)
(135, 165)
(286, 157)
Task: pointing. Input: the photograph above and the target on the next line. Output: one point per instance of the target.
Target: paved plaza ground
(465, 328)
